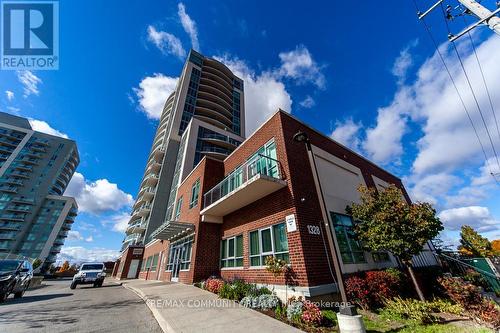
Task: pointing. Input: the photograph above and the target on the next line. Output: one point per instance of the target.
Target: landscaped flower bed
(377, 293)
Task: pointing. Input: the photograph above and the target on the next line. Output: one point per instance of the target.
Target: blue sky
(366, 74)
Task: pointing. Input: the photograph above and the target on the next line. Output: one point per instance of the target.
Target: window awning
(172, 229)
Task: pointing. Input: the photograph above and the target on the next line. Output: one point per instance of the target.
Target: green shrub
(329, 317)
(280, 311)
(470, 298)
(294, 310)
(255, 291)
(441, 305)
(408, 309)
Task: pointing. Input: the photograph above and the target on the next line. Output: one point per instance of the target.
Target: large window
(154, 262)
(232, 252)
(350, 250)
(195, 191)
(148, 264)
(178, 209)
(180, 253)
(271, 241)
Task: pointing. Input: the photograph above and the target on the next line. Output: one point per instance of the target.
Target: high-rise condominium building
(35, 169)
(203, 116)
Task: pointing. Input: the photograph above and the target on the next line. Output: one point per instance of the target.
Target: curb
(162, 322)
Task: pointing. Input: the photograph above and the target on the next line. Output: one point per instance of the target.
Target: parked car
(15, 277)
(89, 273)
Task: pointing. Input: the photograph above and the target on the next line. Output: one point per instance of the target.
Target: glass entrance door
(178, 250)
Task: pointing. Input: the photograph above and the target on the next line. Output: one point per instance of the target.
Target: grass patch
(378, 324)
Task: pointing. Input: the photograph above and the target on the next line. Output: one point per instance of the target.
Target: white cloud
(79, 254)
(383, 141)
(98, 196)
(403, 62)
(431, 187)
(153, 92)
(118, 222)
(9, 94)
(264, 93)
(30, 82)
(74, 235)
(347, 133)
(308, 102)
(488, 172)
(166, 42)
(44, 127)
(300, 66)
(477, 217)
(189, 26)
(449, 141)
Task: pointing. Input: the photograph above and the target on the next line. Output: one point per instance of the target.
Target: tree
(495, 245)
(65, 266)
(36, 263)
(387, 222)
(473, 244)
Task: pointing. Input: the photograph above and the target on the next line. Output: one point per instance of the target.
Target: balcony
(137, 226)
(147, 192)
(9, 189)
(9, 226)
(24, 200)
(250, 182)
(66, 227)
(220, 140)
(73, 212)
(215, 152)
(12, 217)
(150, 180)
(5, 149)
(41, 143)
(34, 154)
(8, 235)
(20, 174)
(24, 167)
(13, 181)
(59, 241)
(17, 208)
(29, 160)
(142, 210)
(51, 258)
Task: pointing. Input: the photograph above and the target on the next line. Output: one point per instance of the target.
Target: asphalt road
(56, 308)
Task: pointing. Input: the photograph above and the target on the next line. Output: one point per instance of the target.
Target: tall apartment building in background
(203, 116)
(35, 169)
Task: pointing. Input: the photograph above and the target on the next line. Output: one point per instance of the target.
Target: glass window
(380, 256)
(180, 253)
(195, 191)
(148, 263)
(350, 249)
(232, 252)
(178, 209)
(154, 262)
(271, 241)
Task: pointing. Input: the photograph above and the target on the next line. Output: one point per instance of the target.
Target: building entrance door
(132, 271)
(178, 250)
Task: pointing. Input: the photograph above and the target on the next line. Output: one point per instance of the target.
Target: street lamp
(345, 308)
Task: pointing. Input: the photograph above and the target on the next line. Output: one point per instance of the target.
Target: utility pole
(472, 7)
(483, 13)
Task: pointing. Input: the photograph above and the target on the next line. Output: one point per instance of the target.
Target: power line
(470, 87)
(436, 46)
(484, 81)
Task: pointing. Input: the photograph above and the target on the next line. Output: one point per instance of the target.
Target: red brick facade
(308, 253)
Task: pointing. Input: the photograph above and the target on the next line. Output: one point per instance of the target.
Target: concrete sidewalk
(184, 308)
